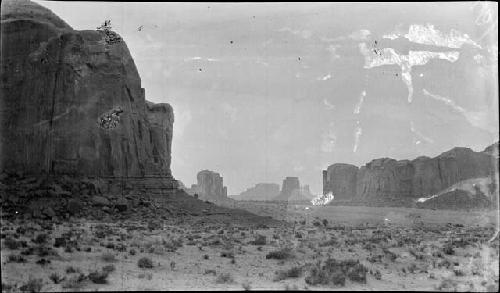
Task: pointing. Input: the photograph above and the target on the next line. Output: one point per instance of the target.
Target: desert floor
(318, 248)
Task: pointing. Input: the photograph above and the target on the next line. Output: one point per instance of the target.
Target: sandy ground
(401, 249)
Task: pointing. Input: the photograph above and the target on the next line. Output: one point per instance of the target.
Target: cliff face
(292, 191)
(72, 102)
(210, 186)
(390, 179)
(341, 180)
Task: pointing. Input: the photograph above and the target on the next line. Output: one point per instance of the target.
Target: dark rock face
(72, 103)
(261, 191)
(388, 179)
(289, 185)
(292, 191)
(210, 186)
(340, 179)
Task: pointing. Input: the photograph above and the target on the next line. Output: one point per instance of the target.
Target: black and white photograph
(238, 146)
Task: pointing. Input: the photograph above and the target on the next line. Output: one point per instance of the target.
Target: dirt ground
(319, 248)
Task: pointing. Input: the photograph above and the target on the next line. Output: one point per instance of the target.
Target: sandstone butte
(387, 179)
(72, 104)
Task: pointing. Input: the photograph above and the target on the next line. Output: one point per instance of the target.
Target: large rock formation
(210, 186)
(261, 191)
(387, 179)
(340, 179)
(72, 103)
(292, 191)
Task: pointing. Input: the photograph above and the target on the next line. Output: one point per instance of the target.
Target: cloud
(333, 51)
(306, 34)
(197, 58)
(357, 135)
(262, 63)
(326, 77)
(391, 36)
(328, 139)
(328, 105)
(359, 35)
(429, 35)
(419, 135)
(360, 103)
(230, 111)
(389, 56)
(477, 119)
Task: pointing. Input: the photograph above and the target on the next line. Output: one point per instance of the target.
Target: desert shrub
(108, 257)
(209, 272)
(325, 222)
(43, 261)
(259, 240)
(284, 253)
(448, 249)
(148, 276)
(75, 282)
(16, 258)
(331, 242)
(8, 287)
(99, 277)
(11, 243)
(206, 256)
(294, 272)
(224, 278)
(145, 263)
(41, 238)
(109, 268)
(228, 254)
(71, 270)
(173, 244)
(447, 285)
(56, 278)
(336, 272)
(246, 286)
(318, 276)
(132, 252)
(33, 285)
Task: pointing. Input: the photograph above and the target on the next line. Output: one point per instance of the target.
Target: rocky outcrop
(291, 190)
(261, 191)
(210, 186)
(388, 179)
(340, 179)
(72, 103)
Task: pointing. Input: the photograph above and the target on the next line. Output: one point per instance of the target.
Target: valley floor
(319, 248)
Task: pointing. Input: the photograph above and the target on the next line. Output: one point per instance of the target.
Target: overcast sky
(264, 91)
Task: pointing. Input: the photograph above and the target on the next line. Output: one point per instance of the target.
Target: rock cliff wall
(387, 179)
(72, 102)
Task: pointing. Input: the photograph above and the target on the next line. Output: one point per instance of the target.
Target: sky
(262, 91)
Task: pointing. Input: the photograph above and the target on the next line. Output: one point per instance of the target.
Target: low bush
(145, 263)
(284, 253)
